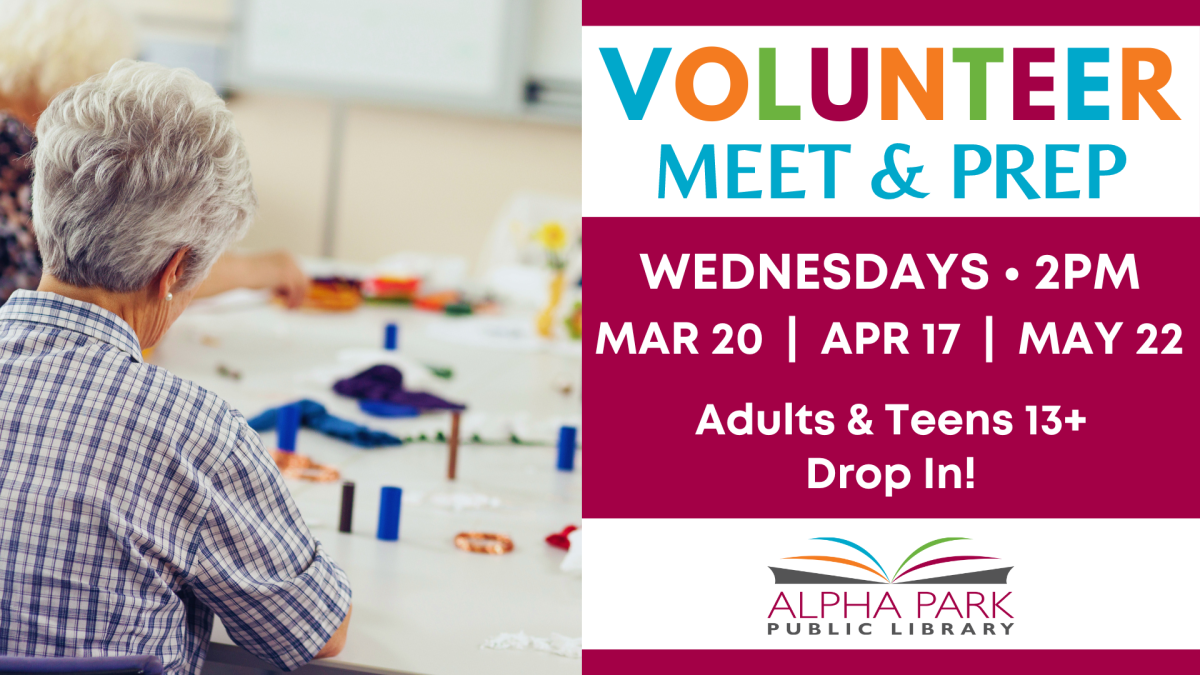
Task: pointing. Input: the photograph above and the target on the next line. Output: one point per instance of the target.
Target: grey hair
(129, 168)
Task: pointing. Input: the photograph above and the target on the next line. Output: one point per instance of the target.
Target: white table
(420, 604)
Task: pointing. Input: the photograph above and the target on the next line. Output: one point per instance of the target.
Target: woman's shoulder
(198, 420)
(185, 397)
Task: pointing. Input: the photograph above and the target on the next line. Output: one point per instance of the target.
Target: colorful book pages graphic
(787, 576)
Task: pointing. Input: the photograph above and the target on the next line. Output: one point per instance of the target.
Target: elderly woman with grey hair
(135, 505)
(45, 47)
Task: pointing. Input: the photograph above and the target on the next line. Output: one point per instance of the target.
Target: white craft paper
(574, 560)
(572, 648)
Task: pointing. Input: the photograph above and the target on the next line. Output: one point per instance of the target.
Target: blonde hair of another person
(49, 45)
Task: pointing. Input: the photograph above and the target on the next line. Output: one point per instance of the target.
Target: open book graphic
(993, 576)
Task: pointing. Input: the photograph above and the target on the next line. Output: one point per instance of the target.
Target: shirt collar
(74, 315)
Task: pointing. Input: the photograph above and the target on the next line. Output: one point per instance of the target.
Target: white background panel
(1075, 584)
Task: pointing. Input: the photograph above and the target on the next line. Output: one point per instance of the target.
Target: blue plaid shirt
(134, 505)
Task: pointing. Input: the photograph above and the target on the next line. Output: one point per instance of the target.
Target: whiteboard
(457, 53)
(557, 41)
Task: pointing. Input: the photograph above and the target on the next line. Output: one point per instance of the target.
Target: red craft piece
(559, 539)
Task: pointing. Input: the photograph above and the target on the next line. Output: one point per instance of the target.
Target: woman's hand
(276, 270)
(282, 275)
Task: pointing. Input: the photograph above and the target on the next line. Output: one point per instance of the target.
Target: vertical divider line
(337, 139)
(792, 339)
(989, 339)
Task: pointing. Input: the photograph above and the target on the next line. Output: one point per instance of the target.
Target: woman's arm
(338, 640)
(276, 270)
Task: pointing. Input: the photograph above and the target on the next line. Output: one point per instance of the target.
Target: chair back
(80, 665)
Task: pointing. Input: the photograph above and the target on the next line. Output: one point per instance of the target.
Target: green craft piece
(441, 371)
(388, 301)
(574, 322)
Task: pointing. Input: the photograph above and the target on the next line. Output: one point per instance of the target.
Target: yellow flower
(552, 235)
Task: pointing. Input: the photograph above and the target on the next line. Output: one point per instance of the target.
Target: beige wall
(435, 182)
(288, 141)
(411, 180)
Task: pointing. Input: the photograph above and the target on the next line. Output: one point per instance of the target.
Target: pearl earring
(169, 296)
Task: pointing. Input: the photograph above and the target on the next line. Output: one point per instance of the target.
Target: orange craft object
(331, 294)
(293, 465)
(438, 301)
(483, 542)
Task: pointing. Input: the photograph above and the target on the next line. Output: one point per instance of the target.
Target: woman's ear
(168, 279)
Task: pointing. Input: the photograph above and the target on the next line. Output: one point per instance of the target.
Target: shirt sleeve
(258, 567)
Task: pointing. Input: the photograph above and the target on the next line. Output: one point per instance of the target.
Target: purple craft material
(385, 383)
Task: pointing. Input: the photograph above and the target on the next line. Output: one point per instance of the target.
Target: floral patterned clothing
(20, 263)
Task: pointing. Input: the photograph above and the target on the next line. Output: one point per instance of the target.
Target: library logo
(888, 601)
(998, 575)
